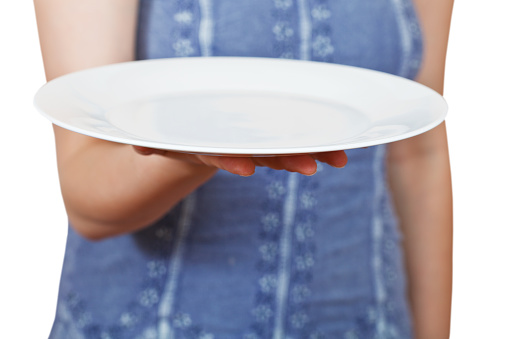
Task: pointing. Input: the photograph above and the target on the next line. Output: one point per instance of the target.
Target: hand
(245, 166)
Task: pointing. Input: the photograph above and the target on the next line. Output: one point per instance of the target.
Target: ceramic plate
(228, 105)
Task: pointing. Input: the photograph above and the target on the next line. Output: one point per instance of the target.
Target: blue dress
(275, 255)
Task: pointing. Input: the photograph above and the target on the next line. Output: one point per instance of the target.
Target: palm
(245, 166)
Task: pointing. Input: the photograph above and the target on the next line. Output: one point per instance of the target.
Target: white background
(33, 222)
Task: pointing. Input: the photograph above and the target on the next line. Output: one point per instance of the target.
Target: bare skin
(111, 189)
(419, 174)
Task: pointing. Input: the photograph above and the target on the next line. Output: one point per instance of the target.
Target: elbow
(100, 219)
(102, 226)
(91, 231)
(96, 220)
(92, 237)
(97, 227)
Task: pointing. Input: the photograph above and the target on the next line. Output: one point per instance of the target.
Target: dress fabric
(276, 255)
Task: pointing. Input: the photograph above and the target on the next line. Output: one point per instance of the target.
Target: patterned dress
(276, 255)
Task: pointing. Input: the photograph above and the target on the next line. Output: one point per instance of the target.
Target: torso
(276, 255)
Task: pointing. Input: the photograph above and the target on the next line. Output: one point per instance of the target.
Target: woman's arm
(110, 188)
(419, 174)
(107, 188)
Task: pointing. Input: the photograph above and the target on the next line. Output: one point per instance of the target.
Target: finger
(335, 159)
(271, 162)
(242, 166)
(238, 165)
(148, 151)
(304, 164)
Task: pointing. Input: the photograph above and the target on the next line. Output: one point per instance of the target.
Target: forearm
(109, 189)
(421, 184)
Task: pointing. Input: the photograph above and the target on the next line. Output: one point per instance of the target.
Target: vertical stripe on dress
(285, 246)
(206, 33)
(305, 30)
(290, 205)
(377, 235)
(405, 38)
(165, 311)
(183, 42)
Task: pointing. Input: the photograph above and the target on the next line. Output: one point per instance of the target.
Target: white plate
(227, 105)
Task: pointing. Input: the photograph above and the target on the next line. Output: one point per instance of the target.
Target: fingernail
(310, 175)
(247, 175)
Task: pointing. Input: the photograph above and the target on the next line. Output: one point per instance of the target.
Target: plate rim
(255, 151)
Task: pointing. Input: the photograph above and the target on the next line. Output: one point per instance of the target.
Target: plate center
(239, 120)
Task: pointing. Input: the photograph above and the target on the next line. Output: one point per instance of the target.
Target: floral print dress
(276, 255)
